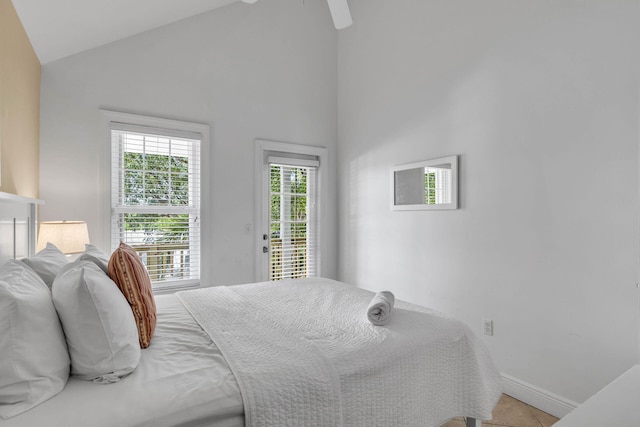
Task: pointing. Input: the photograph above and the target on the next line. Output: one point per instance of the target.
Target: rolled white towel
(379, 310)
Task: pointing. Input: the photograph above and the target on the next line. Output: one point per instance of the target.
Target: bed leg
(472, 422)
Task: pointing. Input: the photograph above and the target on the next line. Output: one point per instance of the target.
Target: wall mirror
(430, 184)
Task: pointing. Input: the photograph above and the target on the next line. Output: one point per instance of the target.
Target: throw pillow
(131, 276)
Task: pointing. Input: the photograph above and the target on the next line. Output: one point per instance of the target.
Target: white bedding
(182, 380)
(304, 354)
(291, 346)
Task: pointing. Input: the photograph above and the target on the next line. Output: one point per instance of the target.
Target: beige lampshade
(69, 236)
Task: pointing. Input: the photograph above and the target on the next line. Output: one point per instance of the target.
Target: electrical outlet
(487, 326)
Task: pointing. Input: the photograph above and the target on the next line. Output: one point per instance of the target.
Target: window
(155, 199)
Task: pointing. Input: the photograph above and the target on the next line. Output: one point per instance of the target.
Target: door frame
(262, 150)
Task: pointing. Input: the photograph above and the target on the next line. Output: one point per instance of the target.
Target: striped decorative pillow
(129, 273)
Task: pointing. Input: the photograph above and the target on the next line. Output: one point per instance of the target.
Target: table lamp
(68, 236)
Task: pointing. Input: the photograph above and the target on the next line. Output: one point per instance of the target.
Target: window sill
(171, 288)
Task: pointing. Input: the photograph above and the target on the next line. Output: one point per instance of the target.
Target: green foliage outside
(430, 188)
(157, 180)
(297, 193)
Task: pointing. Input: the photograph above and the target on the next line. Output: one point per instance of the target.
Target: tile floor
(511, 412)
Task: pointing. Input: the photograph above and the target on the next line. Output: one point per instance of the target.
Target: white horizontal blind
(293, 227)
(155, 194)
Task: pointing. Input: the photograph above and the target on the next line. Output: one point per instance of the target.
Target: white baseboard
(535, 396)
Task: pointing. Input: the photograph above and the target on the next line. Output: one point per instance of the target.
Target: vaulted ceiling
(63, 27)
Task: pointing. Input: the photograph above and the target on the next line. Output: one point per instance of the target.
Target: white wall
(249, 71)
(540, 100)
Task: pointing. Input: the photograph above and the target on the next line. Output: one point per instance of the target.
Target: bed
(17, 225)
(288, 353)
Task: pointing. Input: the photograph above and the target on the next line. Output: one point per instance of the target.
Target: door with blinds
(291, 241)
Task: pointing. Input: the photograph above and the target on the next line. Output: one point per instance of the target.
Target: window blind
(293, 218)
(155, 194)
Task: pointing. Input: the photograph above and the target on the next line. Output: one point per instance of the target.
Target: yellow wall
(19, 107)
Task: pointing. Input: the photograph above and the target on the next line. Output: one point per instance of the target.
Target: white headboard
(18, 216)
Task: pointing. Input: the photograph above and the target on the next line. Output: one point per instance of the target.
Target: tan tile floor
(511, 412)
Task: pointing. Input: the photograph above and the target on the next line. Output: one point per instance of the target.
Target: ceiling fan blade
(340, 13)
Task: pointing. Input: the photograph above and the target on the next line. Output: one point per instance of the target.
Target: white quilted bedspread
(304, 354)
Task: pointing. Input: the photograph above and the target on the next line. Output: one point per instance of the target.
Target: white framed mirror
(430, 184)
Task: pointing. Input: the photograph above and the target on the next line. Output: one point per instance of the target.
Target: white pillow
(95, 255)
(98, 323)
(47, 263)
(34, 362)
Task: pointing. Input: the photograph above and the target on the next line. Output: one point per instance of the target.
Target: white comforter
(182, 380)
(304, 354)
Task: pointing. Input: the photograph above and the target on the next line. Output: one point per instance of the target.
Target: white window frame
(111, 118)
(262, 150)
